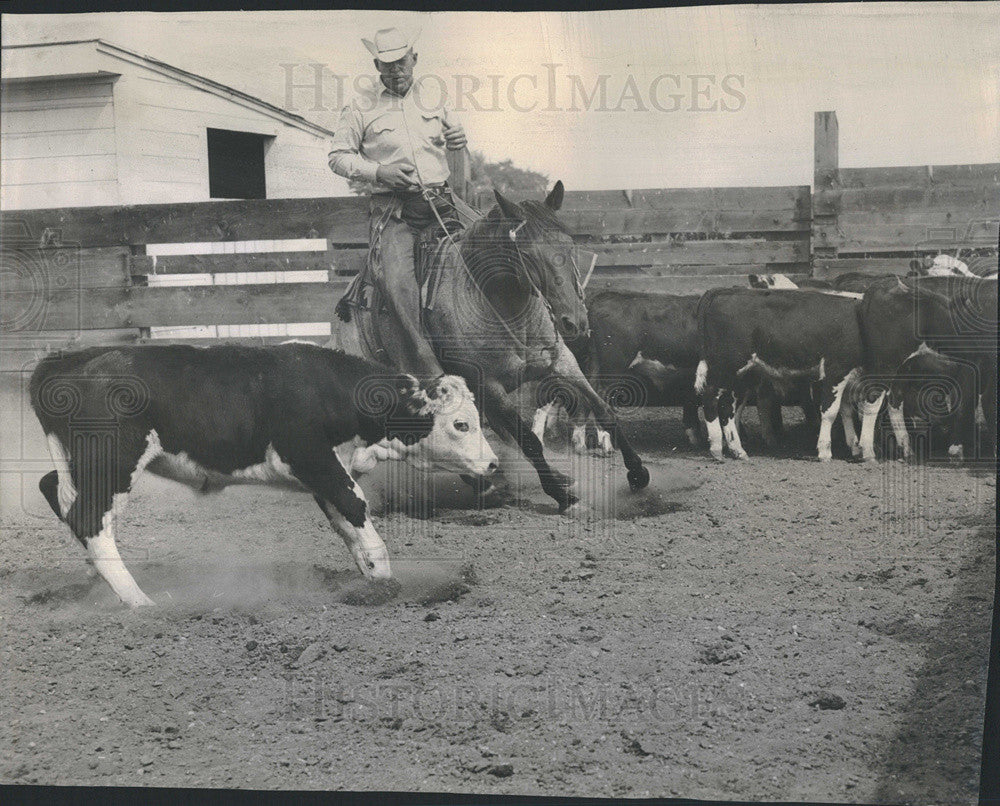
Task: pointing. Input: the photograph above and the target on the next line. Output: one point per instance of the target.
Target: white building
(89, 123)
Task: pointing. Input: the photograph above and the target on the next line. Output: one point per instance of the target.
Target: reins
(427, 195)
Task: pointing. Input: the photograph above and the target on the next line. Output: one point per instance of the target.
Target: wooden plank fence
(106, 273)
(877, 219)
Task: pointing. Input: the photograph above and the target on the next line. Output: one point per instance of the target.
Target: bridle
(512, 234)
(577, 284)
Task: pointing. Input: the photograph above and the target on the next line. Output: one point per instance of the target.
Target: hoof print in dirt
(719, 652)
(310, 654)
(633, 747)
(826, 701)
(372, 592)
(450, 591)
(480, 519)
(501, 770)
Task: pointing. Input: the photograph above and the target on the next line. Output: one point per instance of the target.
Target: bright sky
(912, 84)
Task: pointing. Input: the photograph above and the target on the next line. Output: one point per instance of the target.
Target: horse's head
(544, 257)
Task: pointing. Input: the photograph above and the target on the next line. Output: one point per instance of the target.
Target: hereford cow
(938, 391)
(781, 281)
(293, 414)
(854, 282)
(787, 337)
(957, 316)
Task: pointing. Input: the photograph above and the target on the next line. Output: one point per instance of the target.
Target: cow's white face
(775, 281)
(455, 442)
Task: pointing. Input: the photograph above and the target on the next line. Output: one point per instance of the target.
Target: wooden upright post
(460, 167)
(826, 192)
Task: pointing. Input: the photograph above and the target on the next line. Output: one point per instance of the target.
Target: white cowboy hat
(390, 45)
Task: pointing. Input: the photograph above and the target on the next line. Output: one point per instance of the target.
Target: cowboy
(392, 140)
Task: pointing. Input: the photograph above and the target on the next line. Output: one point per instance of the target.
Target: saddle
(365, 297)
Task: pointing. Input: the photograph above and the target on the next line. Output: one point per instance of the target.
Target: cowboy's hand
(398, 176)
(454, 137)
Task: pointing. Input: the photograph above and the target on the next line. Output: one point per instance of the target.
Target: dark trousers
(396, 221)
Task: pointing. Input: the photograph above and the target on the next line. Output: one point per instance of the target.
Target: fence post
(826, 192)
(459, 166)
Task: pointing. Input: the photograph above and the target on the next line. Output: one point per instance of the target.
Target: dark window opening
(236, 165)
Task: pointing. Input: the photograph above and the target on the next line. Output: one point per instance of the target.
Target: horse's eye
(461, 426)
(559, 260)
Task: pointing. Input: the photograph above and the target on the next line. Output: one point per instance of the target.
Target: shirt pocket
(432, 128)
(382, 126)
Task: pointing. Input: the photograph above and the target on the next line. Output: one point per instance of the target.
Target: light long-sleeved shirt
(381, 128)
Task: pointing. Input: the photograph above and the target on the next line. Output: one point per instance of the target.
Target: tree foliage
(505, 176)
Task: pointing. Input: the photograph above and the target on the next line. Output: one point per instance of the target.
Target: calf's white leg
(899, 428)
(541, 418)
(850, 434)
(104, 554)
(869, 414)
(827, 416)
(731, 432)
(364, 543)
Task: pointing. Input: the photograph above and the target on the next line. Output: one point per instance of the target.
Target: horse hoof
(638, 479)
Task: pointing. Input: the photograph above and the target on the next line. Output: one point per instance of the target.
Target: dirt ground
(775, 629)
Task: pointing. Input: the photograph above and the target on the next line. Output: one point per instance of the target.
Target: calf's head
(436, 426)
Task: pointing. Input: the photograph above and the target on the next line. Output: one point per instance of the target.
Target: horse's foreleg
(638, 475)
(502, 413)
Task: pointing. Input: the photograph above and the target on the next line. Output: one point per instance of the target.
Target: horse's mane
(541, 218)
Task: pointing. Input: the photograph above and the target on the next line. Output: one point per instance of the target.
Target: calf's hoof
(603, 447)
(576, 509)
(638, 478)
(568, 505)
(141, 600)
(374, 564)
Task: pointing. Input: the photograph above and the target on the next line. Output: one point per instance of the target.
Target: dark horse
(497, 301)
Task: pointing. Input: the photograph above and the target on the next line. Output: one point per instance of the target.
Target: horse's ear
(555, 198)
(508, 208)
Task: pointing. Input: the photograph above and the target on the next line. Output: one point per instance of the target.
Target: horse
(497, 300)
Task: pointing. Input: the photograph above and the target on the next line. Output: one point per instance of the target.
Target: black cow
(857, 282)
(214, 416)
(935, 390)
(854, 282)
(956, 316)
(641, 345)
(788, 337)
(623, 325)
